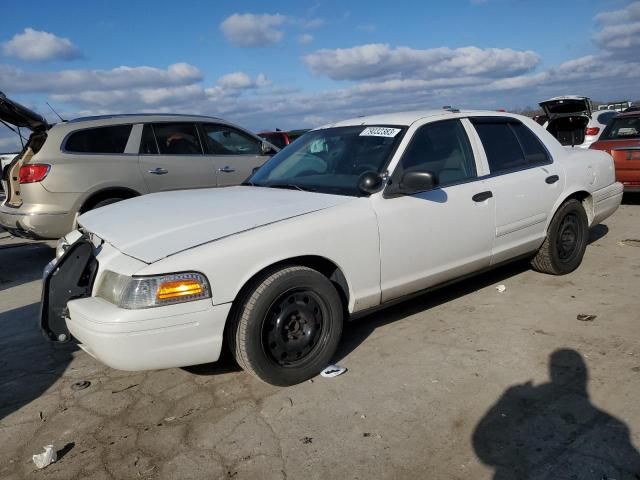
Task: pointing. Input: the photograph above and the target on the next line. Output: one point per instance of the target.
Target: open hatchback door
(570, 104)
(568, 118)
(13, 113)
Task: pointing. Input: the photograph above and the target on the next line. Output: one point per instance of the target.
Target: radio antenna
(61, 119)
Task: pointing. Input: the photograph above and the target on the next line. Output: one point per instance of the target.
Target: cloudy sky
(291, 64)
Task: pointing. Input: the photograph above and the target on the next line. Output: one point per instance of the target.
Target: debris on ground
(45, 458)
(629, 242)
(81, 385)
(332, 371)
(125, 388)
(583, 317)
(307, 440)
(501, 288)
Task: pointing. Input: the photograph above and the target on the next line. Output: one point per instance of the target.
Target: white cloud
(380, 61)
(14, 79)
(305, 39)
(38, 46)
(253, 30)
(620, 31)
(241, 81)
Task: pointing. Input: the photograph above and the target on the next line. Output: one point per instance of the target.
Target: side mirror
(266, 149)
(370, 182)
(414, 182)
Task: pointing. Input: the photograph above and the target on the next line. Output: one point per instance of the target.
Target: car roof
(145, 117)
(410, 117)
(132, 118)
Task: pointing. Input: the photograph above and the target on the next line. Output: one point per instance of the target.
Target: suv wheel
(288, 326)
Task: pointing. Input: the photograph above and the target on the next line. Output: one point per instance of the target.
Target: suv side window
(443, 149)
(148, 144)
(176, 138)
(111, 139)
(509, 144)
(225, 140)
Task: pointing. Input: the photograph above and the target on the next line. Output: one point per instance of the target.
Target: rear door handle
(482, 196)
(158, 171)
(552, 179)
(226, 169)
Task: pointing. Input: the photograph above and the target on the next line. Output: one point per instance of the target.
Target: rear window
(622, 128)
(177, 139)
(112, 139)
(501, 146)
(605, 117)
(510, 145)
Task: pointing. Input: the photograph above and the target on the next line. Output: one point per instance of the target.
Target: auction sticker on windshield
(379, 132)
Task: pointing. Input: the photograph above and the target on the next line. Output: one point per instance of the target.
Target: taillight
(33, 173)
(591, 131)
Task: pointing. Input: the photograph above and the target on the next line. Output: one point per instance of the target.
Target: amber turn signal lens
(179, 288)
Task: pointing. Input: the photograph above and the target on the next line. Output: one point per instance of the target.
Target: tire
(566, 242)
(105, 202)
(287, 327)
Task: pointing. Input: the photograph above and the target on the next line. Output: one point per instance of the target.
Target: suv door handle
(482, 196)
(226, 169)
(552, 179)
(158, 171)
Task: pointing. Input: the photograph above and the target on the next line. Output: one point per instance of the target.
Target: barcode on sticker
(379, 132)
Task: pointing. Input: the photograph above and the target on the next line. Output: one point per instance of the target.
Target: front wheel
(288, 326)
(566, 242)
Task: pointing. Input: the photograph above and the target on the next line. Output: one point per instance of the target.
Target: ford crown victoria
(353, 216)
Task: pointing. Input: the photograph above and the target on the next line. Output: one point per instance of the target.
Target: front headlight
(153, 291)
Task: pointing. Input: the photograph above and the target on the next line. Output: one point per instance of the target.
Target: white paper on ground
(45, 458)
(332, 371)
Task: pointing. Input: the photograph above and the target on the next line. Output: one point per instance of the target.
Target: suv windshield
(621, 128)
(331, 160)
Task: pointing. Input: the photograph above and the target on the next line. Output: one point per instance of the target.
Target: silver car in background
(75, 166)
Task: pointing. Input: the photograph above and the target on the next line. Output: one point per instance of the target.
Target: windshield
(622, 127)
(331, 160)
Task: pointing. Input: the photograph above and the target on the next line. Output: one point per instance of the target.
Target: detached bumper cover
(71, 277)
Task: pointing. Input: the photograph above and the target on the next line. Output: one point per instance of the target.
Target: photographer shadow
(554, 431)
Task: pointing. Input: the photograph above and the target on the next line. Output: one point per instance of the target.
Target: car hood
(152, 227)
(19, 115)
(566, 105)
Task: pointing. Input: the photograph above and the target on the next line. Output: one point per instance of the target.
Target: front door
(172, 158)
(234, 153)
(434, 236)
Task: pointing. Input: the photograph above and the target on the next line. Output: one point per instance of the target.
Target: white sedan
(350, 217)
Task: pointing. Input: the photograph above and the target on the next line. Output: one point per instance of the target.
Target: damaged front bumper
(68, 278)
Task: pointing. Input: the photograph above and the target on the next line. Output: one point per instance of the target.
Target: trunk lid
(567, 105)
(20, 116)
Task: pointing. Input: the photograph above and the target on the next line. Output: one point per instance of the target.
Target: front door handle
(226, 169)
(552, 179)
(482, 196)
(158, 171)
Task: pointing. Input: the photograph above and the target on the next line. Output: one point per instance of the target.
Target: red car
(621, 139)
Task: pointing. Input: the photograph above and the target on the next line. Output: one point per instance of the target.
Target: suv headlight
(153, 291)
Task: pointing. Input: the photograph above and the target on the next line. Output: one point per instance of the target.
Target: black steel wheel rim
(294, 327)
(569, 238)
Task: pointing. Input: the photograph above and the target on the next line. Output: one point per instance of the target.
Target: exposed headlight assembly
(154, 291)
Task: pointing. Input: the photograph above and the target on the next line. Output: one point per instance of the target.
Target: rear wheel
(566, 242)
(288, 326)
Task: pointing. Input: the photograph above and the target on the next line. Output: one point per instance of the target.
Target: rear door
(172, 157)
(234, 153)
(525, 183)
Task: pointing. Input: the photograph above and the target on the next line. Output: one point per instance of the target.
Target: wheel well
(587, 202)
(321, 264)
(97, 197)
